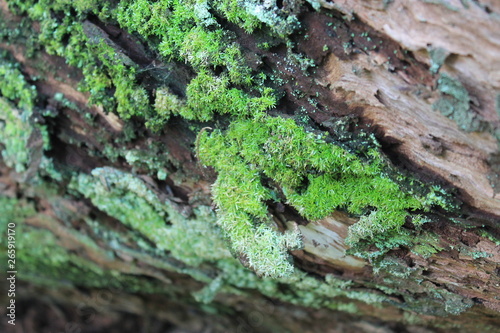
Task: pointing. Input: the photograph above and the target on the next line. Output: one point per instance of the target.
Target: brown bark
(389, 92)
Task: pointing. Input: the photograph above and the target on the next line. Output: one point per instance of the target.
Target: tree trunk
(250, 166)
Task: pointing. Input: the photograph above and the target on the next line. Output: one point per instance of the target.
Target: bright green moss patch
(315, 177)
(454, 104)
(179, 31)
(188, 32)
(208, 95)
(110, 76)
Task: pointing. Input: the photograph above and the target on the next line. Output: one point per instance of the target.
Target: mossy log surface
(251, 166)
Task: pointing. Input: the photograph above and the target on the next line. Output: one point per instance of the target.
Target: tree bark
(118, 225)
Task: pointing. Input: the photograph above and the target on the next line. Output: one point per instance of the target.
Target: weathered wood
(377, 66)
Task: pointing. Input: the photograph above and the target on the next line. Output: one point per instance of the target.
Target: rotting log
(105, 118)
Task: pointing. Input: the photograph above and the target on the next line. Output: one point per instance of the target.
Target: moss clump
(315, 177)
(15, 87)
(44, 261)
(237, 14)
(109, 75)
(179, 30)
(187, 31)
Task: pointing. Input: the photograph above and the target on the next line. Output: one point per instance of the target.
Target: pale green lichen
(139, 159)
(14, 135)
(444, 4)
(474, 254)
(497, 105)
(454, 304)
(490, 236)
(14, 86)
(268, 12)
(193, 241)
(45, 262)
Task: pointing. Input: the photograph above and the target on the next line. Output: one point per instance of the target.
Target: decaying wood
(390, 97)
(401, 104)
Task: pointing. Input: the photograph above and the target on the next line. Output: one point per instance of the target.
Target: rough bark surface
(420, 77)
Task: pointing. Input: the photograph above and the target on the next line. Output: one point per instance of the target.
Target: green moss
(128, 199)
(184, 36)
(15, 87)
(186, 31)
(85, 46)
(258, 159)
(438, 56)
(315, 177)
(207, 95)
